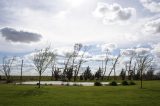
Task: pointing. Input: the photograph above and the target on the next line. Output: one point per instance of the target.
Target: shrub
(132, 83)
(113, 83)
(50, 84)
(97, 84)
(81, 85)
(67, 84)
(125, 83)
(75, 84)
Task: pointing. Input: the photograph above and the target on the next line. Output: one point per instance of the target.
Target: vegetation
(87, 74)
(125, 83)
(6, 68)
(137, 66)
(123, 74)
(132, 83)
(97, 84)
(42, 59)
(17, 95)
(113, 83)
(98, 74)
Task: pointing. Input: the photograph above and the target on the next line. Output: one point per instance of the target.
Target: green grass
(25, 95)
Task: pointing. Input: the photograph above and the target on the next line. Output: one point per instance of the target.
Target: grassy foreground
(25, 95)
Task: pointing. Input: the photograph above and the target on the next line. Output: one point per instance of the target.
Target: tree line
(139, 66)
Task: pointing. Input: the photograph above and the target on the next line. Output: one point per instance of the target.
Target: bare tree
(70, 61)
(77, 48)
(21, 72)
(106, 62)
(42, 59)
(143, 63)
(6, 67)
(130, 69)
(114, 67)
(79, 63)
(53, 66)
(150, 73)
(67, 63)
(134, 70)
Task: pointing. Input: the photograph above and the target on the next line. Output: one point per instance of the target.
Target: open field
(19, 95)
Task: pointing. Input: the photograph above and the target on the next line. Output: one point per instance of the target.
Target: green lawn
(25, 95)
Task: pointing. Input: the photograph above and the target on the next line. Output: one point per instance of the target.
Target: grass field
(27, 95)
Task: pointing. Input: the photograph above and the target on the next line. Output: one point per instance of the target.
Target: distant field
(48, 78)
(25, 95)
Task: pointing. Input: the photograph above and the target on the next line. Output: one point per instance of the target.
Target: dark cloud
(20, 36)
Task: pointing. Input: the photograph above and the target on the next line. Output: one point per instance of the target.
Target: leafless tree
(79, 63)
(134, 70)
(71, 59)
(114, 67)
(21, 72)
(67, 63)
(106, 62)
(130, 68)
(42, 59)
(6, 67)
(53, 66)
(143, 63)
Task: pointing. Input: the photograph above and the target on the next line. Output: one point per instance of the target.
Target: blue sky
(26, 25)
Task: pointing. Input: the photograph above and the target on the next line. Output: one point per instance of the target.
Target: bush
(125, 83)
(50, 84)
(113, 83)
(67, 84)
(97, 84)
(132, 83)
(75, 84)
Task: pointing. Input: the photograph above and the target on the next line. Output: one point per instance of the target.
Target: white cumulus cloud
(151, 5)
(113, 13)
(152, 26)
(108, 47)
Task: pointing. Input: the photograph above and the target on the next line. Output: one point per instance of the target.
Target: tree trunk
(8, 79)
(109, 74)
(21, 72)
(105, 69)
(75, 78)
(39, 84)
(52, 75)
(141, 78)
(114, 74)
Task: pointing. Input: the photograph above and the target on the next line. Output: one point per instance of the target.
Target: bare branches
(80, 62)
(42, 59)
(114, 66)
(6, 67)
(143, 63)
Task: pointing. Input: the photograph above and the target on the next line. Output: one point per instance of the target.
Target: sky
(121, 25)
